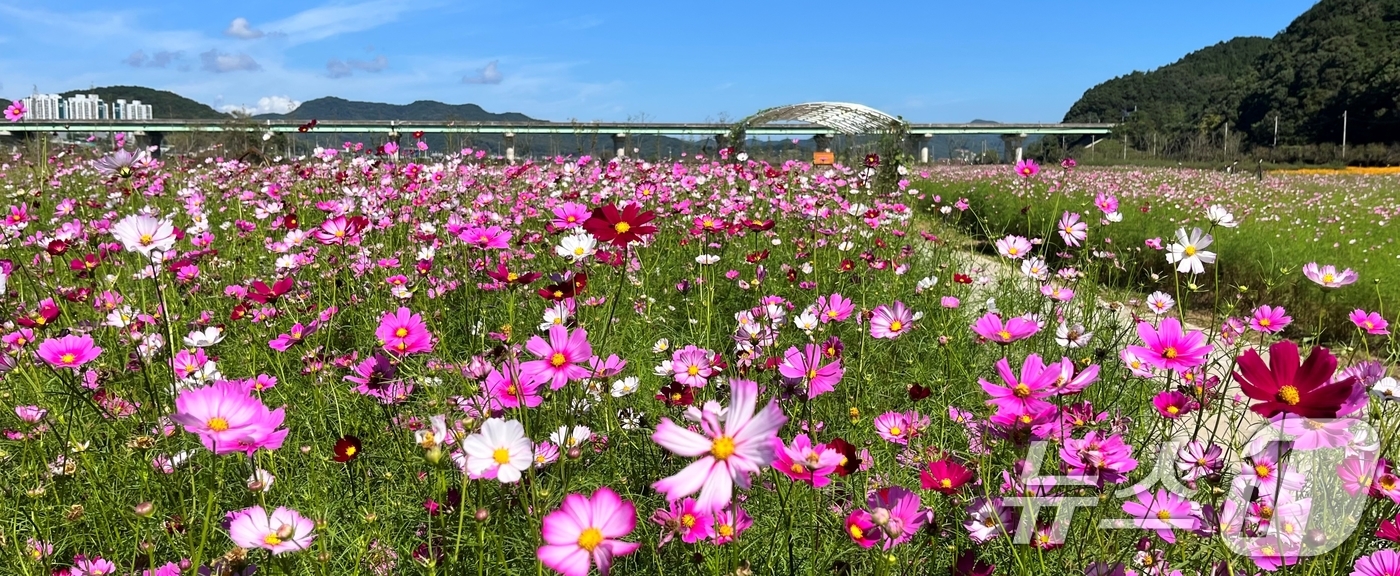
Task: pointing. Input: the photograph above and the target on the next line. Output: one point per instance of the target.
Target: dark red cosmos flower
(260, 292)
(758, 225)
(918, 392)
(619, 228)
(501, 273)
(557, 292)
(1286, 386)
(57, 248)
(969, 565)
(290, 221)
(346, 449)
(945, 476)
(850, 456)
(962, 278)
(676, 394)
(872, 160)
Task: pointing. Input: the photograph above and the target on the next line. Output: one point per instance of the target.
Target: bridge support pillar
(721, 142)
(823, 142)
(508, 143)
(148, 139)
(620, 143)
(921, 142)
(394, 137)
(1013, 144)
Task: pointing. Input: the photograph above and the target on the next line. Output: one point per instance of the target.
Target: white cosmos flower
(120, 318)
(555, 315)
(1114, 216)
(500, 450)
(1387, 389)
(576, 247)
(144, 234)
(434, 435)
(1160, 302)
(566, 439)
(1219, 216)
(1035, 268)
(662, 369)
(626, 386)
(806, 321)
(205, 338)
(661, 345)
(1189, 252)
(925, 283)
(1072, 336)
(706, 259)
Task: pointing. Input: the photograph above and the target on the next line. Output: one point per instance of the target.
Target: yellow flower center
(722, 447)
(622, 227)
(1264, 322)
(1190, 250)
(1169, 352)
(401, 332)
(726, 530)
(1163, 515)
(501, 456)
(511, 277)
(272, 539)
(1289, 395)
(67, 358)
(1173, 410)
(946, 483)
(688, 520)
(895, 431)
(578, 251)
(1327, 278)
(217, 424)
(1013, 251)
(1262, 471)
(590, 539)
(856, 532)
(896, 326)
(798, 468)
(557, 360)
(350, 451)
(692, 370)
(1021, 390)
(1005, 335)
(146, 240)
(812, 374)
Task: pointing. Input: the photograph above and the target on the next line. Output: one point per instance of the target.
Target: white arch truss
(842, 117)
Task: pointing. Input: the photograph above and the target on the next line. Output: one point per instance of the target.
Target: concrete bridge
(819, 120)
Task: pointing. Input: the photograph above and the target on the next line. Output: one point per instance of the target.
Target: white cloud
(326, 21)
(240, 29)
(160, 59)
(337, 68)
(220, 62)
(266, 105)
(487, 75)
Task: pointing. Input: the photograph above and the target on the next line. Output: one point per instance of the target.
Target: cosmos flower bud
(482, 515)
(285, 531)
(144, 509)
(880, 516)
(433, 455)
(574, 453)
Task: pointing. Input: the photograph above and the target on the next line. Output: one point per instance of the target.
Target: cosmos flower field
(370, 362)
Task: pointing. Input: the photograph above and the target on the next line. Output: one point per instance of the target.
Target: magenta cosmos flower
(993, 329)
(404, 332)
(886, 322)
(728, 452)
(1270, 319)
(1014, 247)
(283, 531)
(1328, 276)
(1162, 511)
(806, 366)
(586, 531)
(1027, 168)
(805, 462)
(1025, 393)
(685, 520)
(897, 512)
(486, 238)
(1379, 563)
(560, 358)
(69, 351)
(1371, 322)
(1169, 348)
(15, 111)
(834, 309)
(691, 366)
(227, 419)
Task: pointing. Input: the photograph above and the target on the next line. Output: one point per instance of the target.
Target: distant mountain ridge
(164, 103)
(333, 108)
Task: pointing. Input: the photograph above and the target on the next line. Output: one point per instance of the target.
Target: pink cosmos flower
(805, 366)
(561, 358)
(1107, 203)
(805, 462)
(894, 427)
(1023, 394)
(1162, 511)
(1269, 319)
(1198, 459)
(1072, 229)
(861, 530)
(144, 234)
(1370, 322)
(227, 419)
(950, 302)
(285, 530)
(684, 519)
(1057, 293)
(728, 452)
(1153, 243)
(988, 518)
(1027, 168)
(1014, 247)
(569, 215)
(1328, 276)
(507, 387)
(293, 337)
(886, 322)
(834, 309)
(341, 230)
(15, 111)
(729, 523)
(404, 332)
(1106, 459)
(68, 351)
(691, 366)
(1172, 404)
(486, 238)
(1378, 563)
(993, 329)
(586, 531)
(1169, 348)
(95, 566)
(897, 512)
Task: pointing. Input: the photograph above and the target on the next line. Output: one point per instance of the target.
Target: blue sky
(929, 61)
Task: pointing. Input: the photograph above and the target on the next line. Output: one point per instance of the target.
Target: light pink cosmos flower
(1072, 229)
(561, 358)
(806, 366)
(1169, 348)
(1162, 511)
(690, 366)
(1328, 276)
(68, 351)
(95, 566)
(285, 530)
(894, 427)
(1107, 203)
(404, 332)
(1370, 322)
(144, 234)
(227, 419)
(834, 309)
(728, 452)
(586, 531)
(886, 322)
(1014, 247)
(988, 519)
(993, 329)
(1270, 319)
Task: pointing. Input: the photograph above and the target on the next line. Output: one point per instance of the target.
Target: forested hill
(1204, 85)
(164, 104)
(1341, 56)
(332, 108)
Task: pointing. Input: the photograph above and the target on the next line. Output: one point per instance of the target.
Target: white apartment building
(83, 107)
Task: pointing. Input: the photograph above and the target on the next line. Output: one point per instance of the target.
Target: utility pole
(1344, 134)
(1275, 130)
(1227, 138)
